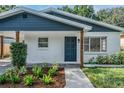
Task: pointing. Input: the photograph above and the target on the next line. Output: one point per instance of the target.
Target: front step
(50, 64)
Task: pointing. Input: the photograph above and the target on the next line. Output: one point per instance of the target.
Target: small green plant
(38, 71)
(10, 71)
(47, 79)
(28, 80)
(2, 79)
(22, 70)
(15, 78)
(53, 70)
(12, 75)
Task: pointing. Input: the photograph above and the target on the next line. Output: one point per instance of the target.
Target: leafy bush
(106, 60)
(19, 54)
(100, 60)
(111, 59)
(114, 59)
(12, 75)
(23, 70)
(120, 58)
(53, 70)
(10, 71)
(2, 79)
(28, 80)
(15, 78)
(103, 60)
(47, 79)
(38, 71)
(92, 60)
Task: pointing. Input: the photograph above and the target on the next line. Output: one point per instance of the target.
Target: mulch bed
(59, 81)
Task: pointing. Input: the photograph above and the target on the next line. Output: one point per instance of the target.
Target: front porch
(36, 55)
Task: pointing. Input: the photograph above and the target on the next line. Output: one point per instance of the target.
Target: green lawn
(106, 77)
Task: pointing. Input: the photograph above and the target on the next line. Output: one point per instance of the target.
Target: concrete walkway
(3, 67)
(75, 78)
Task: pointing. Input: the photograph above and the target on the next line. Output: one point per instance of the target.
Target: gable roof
(83, 19)
(18, 10)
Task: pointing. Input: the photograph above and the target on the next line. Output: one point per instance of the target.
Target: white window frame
(43, 47)
(100, 44)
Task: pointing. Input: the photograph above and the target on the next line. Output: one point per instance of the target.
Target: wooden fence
(6, 50)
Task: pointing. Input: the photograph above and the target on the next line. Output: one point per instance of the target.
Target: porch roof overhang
(18, 10)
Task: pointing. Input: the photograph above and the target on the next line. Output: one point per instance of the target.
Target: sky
(96, 7)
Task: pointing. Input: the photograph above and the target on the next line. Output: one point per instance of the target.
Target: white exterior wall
(113, 44)
(55, 51)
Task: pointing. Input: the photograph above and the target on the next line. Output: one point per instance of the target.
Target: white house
(54, 36)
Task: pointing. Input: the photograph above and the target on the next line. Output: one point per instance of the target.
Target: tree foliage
(4, 8)
(113, 16)
(82, 10)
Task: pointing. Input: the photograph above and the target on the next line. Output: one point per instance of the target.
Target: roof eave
(85, 19)
(48, 16)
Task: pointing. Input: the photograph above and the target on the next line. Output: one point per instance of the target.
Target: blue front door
(70, 48)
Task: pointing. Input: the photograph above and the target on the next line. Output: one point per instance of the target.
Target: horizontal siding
(33, 22)
(95, 28)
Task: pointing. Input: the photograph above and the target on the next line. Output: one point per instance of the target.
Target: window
(95, 44)
(103, 44)
(86, 44)
(42, 42)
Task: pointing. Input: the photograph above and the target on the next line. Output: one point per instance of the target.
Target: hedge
(108, 59)
(18, 54)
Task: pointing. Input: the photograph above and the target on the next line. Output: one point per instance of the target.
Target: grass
(106, 77)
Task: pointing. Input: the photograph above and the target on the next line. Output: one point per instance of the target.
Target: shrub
(47, 79)
(15, 78)
(92, 60)
(2, 79)
(23, 70)
(18, 54)
(120, 58)
(114, 59)
(111, 59)
(100, 59)
(28, 80)
(10, 71)
(53, 70)
(106, 59)
(12, 75)
(38, 71)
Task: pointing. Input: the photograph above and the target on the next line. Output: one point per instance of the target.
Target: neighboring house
(54, 36)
